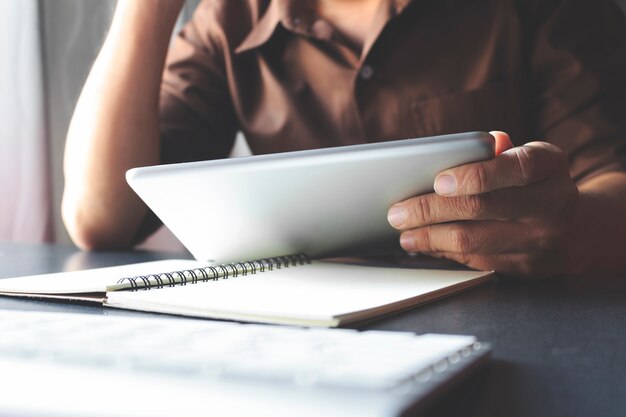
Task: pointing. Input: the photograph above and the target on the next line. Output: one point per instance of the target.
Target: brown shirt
(551, 70)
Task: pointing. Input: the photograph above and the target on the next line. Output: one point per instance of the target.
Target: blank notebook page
(319, 291)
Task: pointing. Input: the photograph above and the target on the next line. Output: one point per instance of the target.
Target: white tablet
(324, 202)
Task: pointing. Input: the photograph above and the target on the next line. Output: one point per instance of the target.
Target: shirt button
(367, 72)
(321, 29)
(296, 21)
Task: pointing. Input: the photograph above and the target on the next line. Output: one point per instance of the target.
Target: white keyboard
(230, 356)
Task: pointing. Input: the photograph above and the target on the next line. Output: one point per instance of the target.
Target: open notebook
(285, 290)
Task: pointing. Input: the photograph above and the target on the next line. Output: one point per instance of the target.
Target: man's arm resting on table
(116, 126)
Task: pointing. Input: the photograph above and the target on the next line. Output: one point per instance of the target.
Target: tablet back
(324, 202)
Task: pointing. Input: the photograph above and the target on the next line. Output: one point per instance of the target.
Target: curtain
(25, 195)
(46, 50)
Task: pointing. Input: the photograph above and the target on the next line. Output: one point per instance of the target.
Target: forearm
(115, 125)
(599, 234)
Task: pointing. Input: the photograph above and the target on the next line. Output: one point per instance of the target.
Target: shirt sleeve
(578, 65)
(196, 112)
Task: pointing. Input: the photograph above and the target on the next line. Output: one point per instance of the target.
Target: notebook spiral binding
(211, 273)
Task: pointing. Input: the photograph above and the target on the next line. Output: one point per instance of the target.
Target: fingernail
(396, 216)
(445, 184)
(407, 242)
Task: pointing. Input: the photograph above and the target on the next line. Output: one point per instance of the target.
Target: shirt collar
(295, 15)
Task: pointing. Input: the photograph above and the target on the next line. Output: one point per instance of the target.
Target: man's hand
(513, 214)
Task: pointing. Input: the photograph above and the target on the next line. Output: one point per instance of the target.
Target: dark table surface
(559, 346)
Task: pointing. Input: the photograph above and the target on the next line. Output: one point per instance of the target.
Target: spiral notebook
(282, 290)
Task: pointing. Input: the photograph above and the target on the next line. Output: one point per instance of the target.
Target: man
(297, 74)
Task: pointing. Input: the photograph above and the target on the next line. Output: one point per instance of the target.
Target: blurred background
(46, 49)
